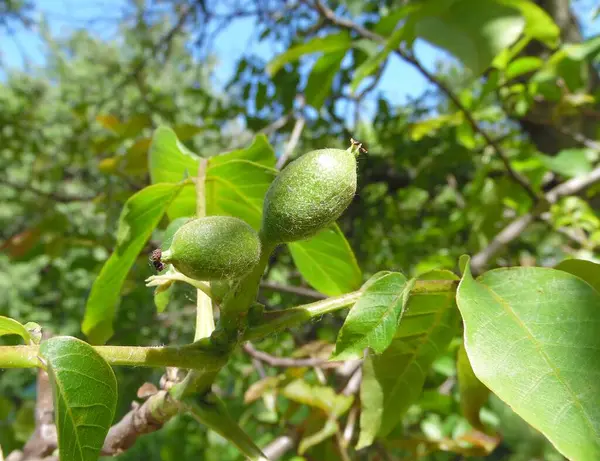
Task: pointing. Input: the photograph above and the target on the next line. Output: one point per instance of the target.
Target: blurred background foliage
(75, 129)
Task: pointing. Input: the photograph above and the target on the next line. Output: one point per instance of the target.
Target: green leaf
(538, 23)
(140, 215)
(473, 393)
(321, 77)
(373, 320)
(531, 335)
(260, 151)
(170, 162)
(84, 391)
(521, 66)
(394, 380)
(327, 262)
(568, 162)
(427, 127)
(387, 24)
(327, 44)
(162, 298)
(211, 412)
(10, 326)
(237, 188)
(371, 64)
(322, 397)
(585, 270)
(472, 30)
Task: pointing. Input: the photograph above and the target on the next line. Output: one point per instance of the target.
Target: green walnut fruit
(309, 194)
(214, 248)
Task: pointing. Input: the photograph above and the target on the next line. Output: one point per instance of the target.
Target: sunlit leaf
(538, 23)
(373, 63)
(85, 396)
(394, 380)
(140, 215)
(327, 262)
(531, 335)
(170, 161)
(318, 86)
(326, 44)
(569, 162)
(473, 31)
(373, 320)
(237, 188)
(260, 151)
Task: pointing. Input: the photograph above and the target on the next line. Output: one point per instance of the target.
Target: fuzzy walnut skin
(214, 248)
(308, 195)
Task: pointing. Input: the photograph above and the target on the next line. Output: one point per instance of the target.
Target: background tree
(497, 159)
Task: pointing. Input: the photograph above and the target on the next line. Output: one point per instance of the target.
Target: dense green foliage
(100, 149)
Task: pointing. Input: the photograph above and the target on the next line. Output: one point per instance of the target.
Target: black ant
(361, 148)
(155, 260)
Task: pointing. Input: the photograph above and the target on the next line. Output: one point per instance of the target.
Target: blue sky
(64, 16)
(399, 81)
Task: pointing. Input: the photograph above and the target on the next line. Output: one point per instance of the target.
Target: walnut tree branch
(518, 226)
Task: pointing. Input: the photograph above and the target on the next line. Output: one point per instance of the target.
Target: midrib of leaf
(384, 315)
(438, 315)
(509, 310)
(68, 411)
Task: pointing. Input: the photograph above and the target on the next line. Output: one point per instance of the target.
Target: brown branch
(518, 226)
(142, 419)
(292, 143)
(366, 33)
(300, 291)
(287, 362)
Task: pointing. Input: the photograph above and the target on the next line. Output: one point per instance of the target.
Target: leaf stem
(275, 321)
(189, 356)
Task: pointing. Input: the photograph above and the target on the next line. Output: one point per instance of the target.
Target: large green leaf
(326, 44)
(260, 151)
(473, 393)
(585, 270)
(170, 161)
(373, 320)
(10, 326)
(327, 262)
(538, 23)
(371, 64)
(472, 30)
(394, 380)
(531, 335)
(568, 162)
(85, 396)
(237, 188)
(321, 77)
(140, 215)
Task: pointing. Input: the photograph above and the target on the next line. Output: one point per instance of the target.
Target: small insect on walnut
(155, 260)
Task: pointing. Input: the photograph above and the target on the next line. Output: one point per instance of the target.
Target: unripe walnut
(214, 248)
(309, 194)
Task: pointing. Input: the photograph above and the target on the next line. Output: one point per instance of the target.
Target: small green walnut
(309, 194)
(214, 248)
